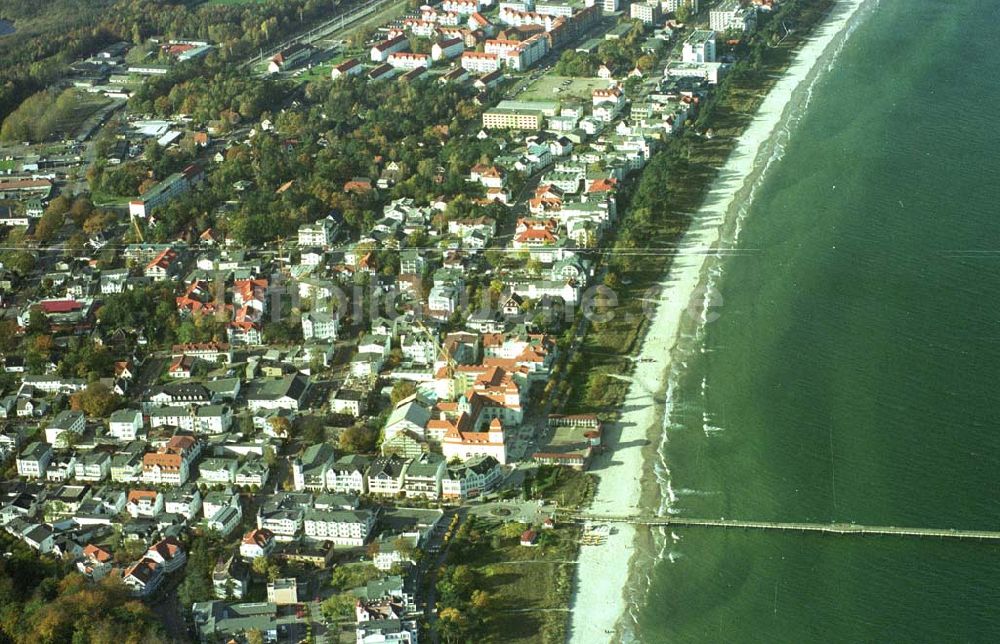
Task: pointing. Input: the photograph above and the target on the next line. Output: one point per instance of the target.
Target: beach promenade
(603, 573)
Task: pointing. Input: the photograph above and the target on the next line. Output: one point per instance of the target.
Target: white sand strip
(603, 572)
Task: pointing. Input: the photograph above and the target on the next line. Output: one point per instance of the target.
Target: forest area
(50, 35)
(42, 602)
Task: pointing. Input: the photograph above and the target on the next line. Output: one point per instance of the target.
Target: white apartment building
(408, 60)
(730, 16)
(480, 62)
(342, 527)
(699, 47)
(319, 326)
(125, 424)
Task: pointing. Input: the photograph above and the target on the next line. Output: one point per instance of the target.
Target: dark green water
(854, 370)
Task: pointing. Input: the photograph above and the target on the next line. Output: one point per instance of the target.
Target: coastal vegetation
(493, 589)
(659, 203)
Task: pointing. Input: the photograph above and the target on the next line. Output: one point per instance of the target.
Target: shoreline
(629, 475)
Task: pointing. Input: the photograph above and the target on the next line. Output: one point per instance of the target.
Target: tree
(8, 335)
(404, 547)
(49, 224)
(98, 222)
(463, 577)
(338, 607)
(81, 210)
(453, 625)
(401, 390)
(280, 425)
(683, 13)
(358, 440)
(260, 566)
(480, 600)
(96, 400)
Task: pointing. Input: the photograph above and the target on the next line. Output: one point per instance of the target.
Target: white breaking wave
(601, 575)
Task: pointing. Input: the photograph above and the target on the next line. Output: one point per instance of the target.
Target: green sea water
(853, 373)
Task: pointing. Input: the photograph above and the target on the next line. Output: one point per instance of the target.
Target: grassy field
(544, 88)
(7, 165)
(104, 199)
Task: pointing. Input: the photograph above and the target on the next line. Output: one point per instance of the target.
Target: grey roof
(293, 386)
(35, 451)
(340, 516)
(124, 415)
(351, 463)
(413, 411)
(425, 466)
(65, 419)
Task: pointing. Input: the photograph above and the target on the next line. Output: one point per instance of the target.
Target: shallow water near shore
(850, 373)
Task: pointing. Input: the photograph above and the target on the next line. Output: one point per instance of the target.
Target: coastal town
(288, 340)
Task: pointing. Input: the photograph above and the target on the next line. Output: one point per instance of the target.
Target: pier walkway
(826, 528)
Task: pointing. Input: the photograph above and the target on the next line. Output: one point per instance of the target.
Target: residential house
(290, 57)
(323, 232)
(34, 459)
(66, 424)
(144, 503)
(168, 553)
(423, 475)
(164, 266)
(319, 325)
(350, 67)
(380, 52)
(348, 474)
(95, 563)
(258, 542)
(39, 537)
(230, 578)
(385, 476)
(92, 466)
(218, 471)
(352, 402)
(171, 464)
(309, 470)
(287, 392)
(184, 501)
(252, 474)
(125, 424)
(143, 577)
(225, 520)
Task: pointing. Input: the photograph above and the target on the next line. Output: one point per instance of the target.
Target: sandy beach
(599, 600)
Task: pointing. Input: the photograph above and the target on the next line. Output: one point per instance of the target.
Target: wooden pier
(825, 528)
